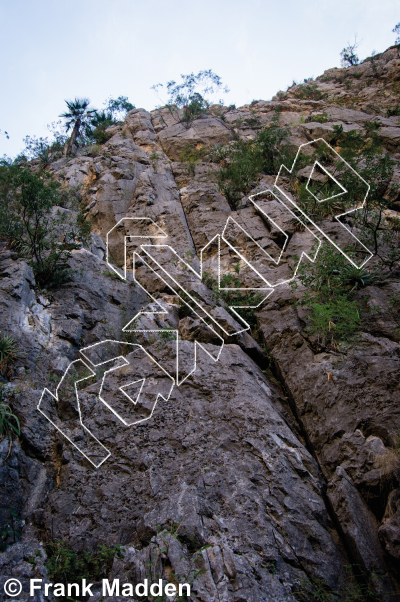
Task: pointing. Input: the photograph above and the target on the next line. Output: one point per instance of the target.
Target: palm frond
(76, 107)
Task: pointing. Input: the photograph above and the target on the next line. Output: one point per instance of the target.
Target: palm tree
(102, 118)
(98, 125)
(75, 117)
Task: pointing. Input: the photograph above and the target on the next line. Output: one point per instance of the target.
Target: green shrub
(253, 121)
(322, 118)
(315, 589)
(64, 565)
(43, 149)
(10, 530)
(380, 232)
(396, 30)
(242, 162)
(38, 148)
(9, 423)
(90, 125)
(190, 157)
(168, 334)
(272, 144)
(315, 209)
(393, 112)
(330, 283)
(394, 308)
(348, 55)
(9, 354)
(97, 133)
(118, 107)
(335, 320)
(113, 275)
(100, 135)
(245, 302)
(189, 95)
(309, 91)
(241, 165)
(44, 238)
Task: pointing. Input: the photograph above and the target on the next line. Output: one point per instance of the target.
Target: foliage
(240, 166)
(10, 531)
(113, 275)
(363, 152)
(64, 565)
(396, 30)
(100, 122)
(168, 334)
(191, 156)
(6, 134)
(309, 91)
(77, 118)
(9, 423)
(253, 121)
(272, 144)
(9, 354)
(159, 557)
(348, 55)
(186, 100)
(321, 118)
(358, 277)
(45, 149)
(280, 95)
(37, 148)
(96, 129)
(393, 112)
(91, 129)
(335, 317)
(118, 107)
(394, 308)
(243, 161)
(245, 302)
(78, 109)
(59, 138)
(184, 308)
(89, 125)
(335, 320)
(367, 158)
(42, 235)
(315, 589)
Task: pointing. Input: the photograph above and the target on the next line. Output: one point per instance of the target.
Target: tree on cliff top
(397, 30)
(90, 124)
(348, 55)
(118, 107)
(189, 95)
(78, 115)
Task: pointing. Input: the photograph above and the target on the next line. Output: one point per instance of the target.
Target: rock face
(268, 482)
(372, 86)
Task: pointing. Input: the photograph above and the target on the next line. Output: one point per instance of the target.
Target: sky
(55, 49)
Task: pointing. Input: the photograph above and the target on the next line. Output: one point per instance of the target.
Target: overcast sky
(60, 49)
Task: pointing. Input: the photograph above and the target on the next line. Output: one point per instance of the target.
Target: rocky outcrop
(372, 86)
(359, 529)
(269, 470)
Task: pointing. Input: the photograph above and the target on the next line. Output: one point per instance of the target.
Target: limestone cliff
(278, 461)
